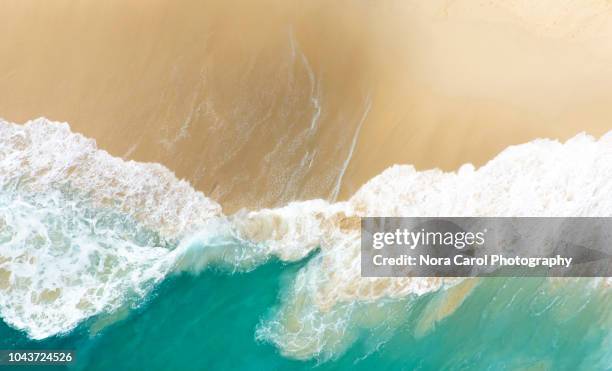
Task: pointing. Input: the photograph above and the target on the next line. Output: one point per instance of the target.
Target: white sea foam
(82, 232)
(64, 261)
(541, 178)
(42, 154)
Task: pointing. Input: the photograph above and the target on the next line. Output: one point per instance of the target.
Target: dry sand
(260, 103)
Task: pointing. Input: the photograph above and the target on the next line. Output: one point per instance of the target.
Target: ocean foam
(42, 154)
(83, 233)
(541, 178)
(64, 261)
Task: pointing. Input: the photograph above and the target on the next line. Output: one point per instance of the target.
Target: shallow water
(209, 322)
(134, 268)
(261, 103)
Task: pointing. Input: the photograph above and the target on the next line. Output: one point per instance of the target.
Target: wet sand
(260, 103)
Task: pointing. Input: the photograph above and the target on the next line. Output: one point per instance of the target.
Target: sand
(261, 103)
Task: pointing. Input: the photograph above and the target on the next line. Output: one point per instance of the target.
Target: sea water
(209, 322)
(134, 269)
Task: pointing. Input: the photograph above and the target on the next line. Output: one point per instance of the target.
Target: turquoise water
(208, 322)
(92, 263)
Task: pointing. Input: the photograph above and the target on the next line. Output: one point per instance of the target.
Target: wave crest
(82, 232)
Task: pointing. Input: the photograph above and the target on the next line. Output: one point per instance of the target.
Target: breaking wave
(83, 233)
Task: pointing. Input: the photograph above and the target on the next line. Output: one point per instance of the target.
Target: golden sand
(260, 103)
